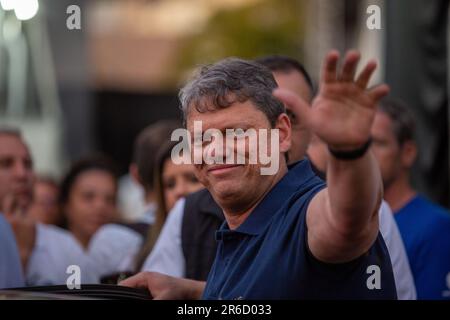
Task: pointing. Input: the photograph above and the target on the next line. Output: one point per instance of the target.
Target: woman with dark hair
(91, 240)
(88, 197)
(172, 182)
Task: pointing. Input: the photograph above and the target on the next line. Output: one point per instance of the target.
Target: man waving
(287, 235)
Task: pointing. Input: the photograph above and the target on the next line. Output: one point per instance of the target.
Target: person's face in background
(91, 203)
(16, 171)
(301, 135)
(178, 181)
(45, 207)
(386, 148)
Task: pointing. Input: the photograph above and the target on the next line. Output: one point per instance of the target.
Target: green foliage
(267, 27)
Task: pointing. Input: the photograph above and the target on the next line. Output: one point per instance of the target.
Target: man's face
(386, 148)
(238, 186)
(16, 170)
(294, 81)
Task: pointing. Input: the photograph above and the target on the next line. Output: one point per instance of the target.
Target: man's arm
(342, 219)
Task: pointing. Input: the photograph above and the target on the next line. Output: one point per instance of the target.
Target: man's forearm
(355, 191)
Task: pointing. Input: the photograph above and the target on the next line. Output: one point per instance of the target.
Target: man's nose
(20, 170)
(218, 150)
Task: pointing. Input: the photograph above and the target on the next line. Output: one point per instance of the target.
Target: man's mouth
(223, 169)
(22, 190)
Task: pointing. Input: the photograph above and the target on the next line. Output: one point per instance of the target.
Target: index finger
(329, 67)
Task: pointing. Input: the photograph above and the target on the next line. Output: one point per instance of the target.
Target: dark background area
(120, 116)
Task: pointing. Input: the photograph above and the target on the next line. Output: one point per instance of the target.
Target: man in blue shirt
(424, 226)
(16, 178)
(286, 235)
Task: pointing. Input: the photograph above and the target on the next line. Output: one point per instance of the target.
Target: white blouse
(112, 249)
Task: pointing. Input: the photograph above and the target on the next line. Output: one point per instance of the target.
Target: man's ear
(134, 173)
(409, 153)
(283, 124)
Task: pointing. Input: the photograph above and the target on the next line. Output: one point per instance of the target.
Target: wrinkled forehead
(13, 146)
(238, 115)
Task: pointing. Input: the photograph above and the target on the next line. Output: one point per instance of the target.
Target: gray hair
(229, 81)
(403, 122)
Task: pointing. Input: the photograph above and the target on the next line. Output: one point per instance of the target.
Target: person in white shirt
(91, 242)
(110, 250)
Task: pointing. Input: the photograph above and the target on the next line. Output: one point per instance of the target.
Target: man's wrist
(351, 154)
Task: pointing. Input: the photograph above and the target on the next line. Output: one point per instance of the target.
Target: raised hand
(343, 111)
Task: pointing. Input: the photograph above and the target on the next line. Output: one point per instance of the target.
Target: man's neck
(234, 220)
(399, 193)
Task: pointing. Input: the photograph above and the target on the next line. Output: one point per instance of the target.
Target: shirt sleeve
(113, 249)
(432, 263)
(167, 255)
(10, 267)
(404, 281)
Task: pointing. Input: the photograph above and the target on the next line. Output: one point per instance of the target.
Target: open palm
(343, 111)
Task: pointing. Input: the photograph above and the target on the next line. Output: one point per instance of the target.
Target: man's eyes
(6, 163)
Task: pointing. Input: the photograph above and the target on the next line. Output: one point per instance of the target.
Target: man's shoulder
(429, 220)
(430, 212)
(48, 230)
(6, 233)
(4, 225)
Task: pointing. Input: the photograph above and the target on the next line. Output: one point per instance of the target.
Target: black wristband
(351, 154)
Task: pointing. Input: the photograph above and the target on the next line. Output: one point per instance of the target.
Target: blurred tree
(266, 27)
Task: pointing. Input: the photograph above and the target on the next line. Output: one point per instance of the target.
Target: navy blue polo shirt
(267, 256)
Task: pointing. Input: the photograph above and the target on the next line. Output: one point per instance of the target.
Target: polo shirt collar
(298, 174)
